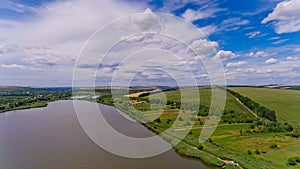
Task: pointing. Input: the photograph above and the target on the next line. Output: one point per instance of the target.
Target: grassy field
(205, 100)
(252, 150)
(284, 102)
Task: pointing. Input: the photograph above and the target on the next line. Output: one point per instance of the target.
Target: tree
(200, 147)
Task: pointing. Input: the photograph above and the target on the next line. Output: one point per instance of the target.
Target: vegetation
(240, 137)
(253, 142)
(15, 98)
(284, 101)
(293, 160)
(261, 111)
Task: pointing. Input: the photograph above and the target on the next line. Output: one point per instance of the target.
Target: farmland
(241, 136)
(285, 102)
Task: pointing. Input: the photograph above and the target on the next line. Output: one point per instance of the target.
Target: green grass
(284, 102)
(281, 156)
(205, 99)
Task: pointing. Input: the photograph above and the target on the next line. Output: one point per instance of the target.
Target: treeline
(18, 98)
(264, 125)
(261, 111)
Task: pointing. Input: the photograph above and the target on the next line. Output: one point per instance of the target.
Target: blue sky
(257, 40)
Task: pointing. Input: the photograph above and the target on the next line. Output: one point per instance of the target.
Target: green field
(285, 102)
(253, 142)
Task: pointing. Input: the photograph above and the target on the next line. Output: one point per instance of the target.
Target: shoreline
(198, 157)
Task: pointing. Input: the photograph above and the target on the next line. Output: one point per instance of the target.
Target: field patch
(285, 102)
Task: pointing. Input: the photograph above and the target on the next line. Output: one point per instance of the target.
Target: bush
(257, 152)
(274, 146)
(200, 147)
(249, 152)
(291, 161)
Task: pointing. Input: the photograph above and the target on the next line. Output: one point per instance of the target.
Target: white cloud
(225, 55)
(274, 38)
(53, 35)
(271, 61)
(204, 47)
(208, 30)
(290, 58)
(286, 17)
(236, 64)
(192, 15)
(280, 41)
(253, 34)
(16, 66)
(206, 11)
(258, 54)
(233, 24)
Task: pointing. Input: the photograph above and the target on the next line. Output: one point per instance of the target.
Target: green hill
(285, 102)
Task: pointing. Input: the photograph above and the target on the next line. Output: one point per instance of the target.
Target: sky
(256, 41)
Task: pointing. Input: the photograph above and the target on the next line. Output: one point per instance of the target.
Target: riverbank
(30, 106)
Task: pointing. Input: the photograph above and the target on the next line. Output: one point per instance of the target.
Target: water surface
(52, 138)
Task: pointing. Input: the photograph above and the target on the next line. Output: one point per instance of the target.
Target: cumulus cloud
(286, 17)
(204, 47)
(271, 61)
(236, 64)
(53, 35)
(225, 55)
(290, 58)
(258, 54)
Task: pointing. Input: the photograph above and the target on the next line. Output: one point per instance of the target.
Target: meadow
(285, 102)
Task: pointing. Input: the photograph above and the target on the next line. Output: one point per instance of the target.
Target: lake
(52, 138)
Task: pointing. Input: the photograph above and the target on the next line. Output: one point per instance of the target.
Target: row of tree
(261, 111)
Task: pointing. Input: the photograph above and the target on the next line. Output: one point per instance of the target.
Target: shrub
(157, 120)
(257, 152)
(291, 162)
(274, 146)
(249, 152)
(200, 147)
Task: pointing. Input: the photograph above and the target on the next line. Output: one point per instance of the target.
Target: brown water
(52, 138)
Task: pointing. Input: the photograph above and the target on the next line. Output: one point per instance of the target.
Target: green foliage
(273, 146)
(257, 152)
(292, 161)
(264, 125)
(105, 99)
(15, 98)
(157, 120)
(249, 152)
(200, 147)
